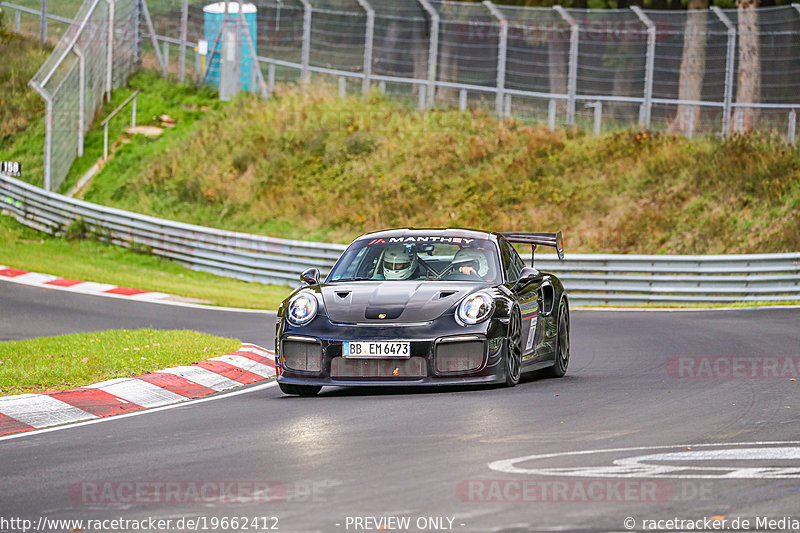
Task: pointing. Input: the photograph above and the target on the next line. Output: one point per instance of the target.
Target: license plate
(376, 349)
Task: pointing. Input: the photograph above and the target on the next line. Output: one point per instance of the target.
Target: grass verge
(57, 363)
(90, 260)
(307, 164)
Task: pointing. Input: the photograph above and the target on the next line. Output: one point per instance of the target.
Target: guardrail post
(572, 83)
(730, 59)
(182, 52)
(43, 24)
(368, 42)
(502, 54)
(433, 49)
(110, 49)
(792, 126)
(551, 114)
(649, 65)
(81, 97)
(306, 50)
(598, 116)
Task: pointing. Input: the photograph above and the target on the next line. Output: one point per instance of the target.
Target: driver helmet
(475, 255)
(398, 262)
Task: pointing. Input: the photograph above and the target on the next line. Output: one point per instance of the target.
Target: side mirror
(310, 276)
(529, 275)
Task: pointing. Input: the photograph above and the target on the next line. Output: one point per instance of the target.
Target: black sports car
(425, 307)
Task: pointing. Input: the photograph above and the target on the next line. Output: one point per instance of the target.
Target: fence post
(792, 126)
(433, 50)
(551, 115)
(271, 78)
(17, 21)
(422, 98)
(182, 51)
(598, 116)
(253, 56)
(81, 97)
(48, 132)
(342, 86)
(462, 100)
(729, 67)
(306, 51)
(43, 24)
(368, 42)
(572, 83)
(110, 49)
(165, 53)
(689, 122)
(649, 64)
(502, 54)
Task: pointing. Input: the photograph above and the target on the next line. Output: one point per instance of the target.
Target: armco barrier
(591, 279)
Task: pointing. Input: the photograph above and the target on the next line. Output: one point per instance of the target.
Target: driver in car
(472, 262)
(399, 263)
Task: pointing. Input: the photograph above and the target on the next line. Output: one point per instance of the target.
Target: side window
(510, 262)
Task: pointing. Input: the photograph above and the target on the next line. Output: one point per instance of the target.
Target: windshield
(426, 258)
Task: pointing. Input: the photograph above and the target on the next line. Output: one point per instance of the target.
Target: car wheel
(562, 342)
(513, 357)
(300, 390)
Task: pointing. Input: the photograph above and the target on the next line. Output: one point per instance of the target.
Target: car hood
(392, 301)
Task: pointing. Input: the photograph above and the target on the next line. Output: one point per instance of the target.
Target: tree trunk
(693, 66)
(749, 87)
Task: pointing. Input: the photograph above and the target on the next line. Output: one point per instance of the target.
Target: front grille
(462, 356)
(302, 356)
(413, 367)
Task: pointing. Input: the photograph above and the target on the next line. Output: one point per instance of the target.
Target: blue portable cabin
(213, 15)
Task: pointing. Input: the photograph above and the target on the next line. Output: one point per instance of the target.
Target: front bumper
(422, 369)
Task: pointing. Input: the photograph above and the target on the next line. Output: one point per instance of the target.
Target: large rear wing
(537, 239)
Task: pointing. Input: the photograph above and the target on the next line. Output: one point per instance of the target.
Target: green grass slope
(309, 165)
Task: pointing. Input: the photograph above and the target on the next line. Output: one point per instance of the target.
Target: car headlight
(301, 309)
(475, 308)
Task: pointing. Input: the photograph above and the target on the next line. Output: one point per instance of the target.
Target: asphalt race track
(683, 416)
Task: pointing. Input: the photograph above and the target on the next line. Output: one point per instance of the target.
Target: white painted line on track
(634, 467)
(221, 396)
(683, 309)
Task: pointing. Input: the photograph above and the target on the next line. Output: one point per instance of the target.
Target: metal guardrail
(591, 279)
(228, 253)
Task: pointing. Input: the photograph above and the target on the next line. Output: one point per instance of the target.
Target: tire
(562, 343)
(300, 390)
(513, 358)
